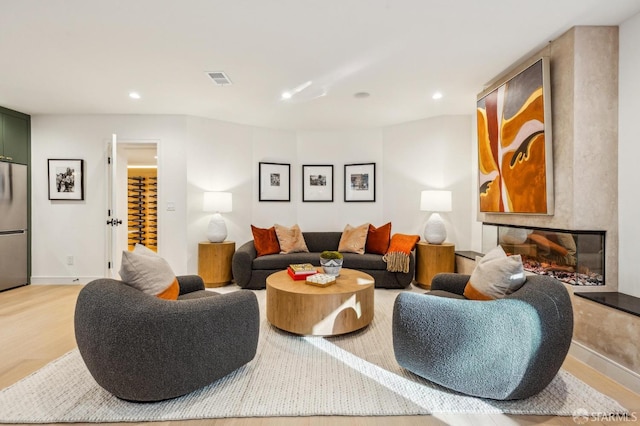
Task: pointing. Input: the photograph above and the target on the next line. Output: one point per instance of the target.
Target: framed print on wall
(66, 179)
(317, 183)
(360, 182)
(274, 182)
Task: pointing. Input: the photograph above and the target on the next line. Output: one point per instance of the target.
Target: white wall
(434, 153)
(224, 157)
(340, 148)
(78, 228)
(197, 155)
(628, 154)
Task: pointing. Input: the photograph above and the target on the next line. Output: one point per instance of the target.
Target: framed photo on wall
(66, 179)
(317, 183)
(274, 181)
(360, 182)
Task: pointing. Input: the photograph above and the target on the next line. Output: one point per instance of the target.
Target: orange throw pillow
(265, 240)
(378, 239)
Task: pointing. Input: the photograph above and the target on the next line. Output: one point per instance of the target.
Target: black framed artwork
(274, 181)
(317, 183)
(66, 179)
(360, 182)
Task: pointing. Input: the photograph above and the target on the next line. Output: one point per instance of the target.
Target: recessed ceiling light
(437, 95)
(134, 95)
(361, 95)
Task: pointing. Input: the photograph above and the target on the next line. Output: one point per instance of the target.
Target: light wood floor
(36, 327)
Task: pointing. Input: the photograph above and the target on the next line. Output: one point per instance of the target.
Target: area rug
(352, 375)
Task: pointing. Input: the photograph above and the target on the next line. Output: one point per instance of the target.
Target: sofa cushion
(495, 276)
(291, 239)
(317, 242)
(366, 261)
(378, 239)
(265, 240)
(146, 271)
(278, 261)
(353, 239)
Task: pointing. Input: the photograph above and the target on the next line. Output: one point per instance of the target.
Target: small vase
(331, 266)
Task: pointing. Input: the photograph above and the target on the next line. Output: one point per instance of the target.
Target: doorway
(138, 183)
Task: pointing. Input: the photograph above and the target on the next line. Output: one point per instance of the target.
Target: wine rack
(142, 201)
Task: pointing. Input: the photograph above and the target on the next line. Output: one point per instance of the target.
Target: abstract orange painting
(515, 170)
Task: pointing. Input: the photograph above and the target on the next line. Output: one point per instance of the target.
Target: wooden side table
(214, 262)
(432, 259)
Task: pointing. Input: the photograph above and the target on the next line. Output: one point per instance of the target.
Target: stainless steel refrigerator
(13, 225)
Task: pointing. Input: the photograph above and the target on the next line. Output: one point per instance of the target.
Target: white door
(113, 218)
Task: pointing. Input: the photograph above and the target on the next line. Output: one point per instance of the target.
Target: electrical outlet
(69, 260)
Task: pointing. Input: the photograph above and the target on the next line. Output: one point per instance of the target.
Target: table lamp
(218, 202)
(436, 202)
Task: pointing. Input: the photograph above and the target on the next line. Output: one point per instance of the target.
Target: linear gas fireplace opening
(573, 257)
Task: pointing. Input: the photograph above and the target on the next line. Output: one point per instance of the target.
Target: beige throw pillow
(290, 239)
(495, 276)
(353, 240)
(145, 270)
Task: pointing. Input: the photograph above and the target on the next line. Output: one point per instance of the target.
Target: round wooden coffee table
(305, 309)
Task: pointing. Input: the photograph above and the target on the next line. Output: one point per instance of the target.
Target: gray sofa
(502, 349)
(143, 348)
(250, 271)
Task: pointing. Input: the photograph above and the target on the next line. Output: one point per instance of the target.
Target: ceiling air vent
(219, 78)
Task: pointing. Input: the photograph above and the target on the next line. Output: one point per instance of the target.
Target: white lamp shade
(217, 202)
(435, 201)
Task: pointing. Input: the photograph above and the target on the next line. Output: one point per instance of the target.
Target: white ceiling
(85, 56)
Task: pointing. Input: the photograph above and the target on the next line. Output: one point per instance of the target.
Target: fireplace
(573, 257)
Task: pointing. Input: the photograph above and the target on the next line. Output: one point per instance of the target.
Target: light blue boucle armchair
(502, 349)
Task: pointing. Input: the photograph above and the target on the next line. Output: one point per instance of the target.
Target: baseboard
(617, 372)
(61, 280)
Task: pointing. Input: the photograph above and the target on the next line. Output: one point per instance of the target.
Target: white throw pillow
(495, 276)
(145, 270)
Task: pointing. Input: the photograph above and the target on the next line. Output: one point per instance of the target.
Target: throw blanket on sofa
(400, 248)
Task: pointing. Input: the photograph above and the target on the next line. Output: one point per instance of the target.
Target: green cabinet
(14, 136)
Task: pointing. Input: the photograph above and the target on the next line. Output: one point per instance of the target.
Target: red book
(299, 276)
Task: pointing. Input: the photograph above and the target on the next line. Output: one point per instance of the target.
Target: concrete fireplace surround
(584, 102)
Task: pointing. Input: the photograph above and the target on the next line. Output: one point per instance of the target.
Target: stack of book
(300, 271)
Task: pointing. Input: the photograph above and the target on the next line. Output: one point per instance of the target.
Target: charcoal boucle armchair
(143, 348)
(503, 349)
